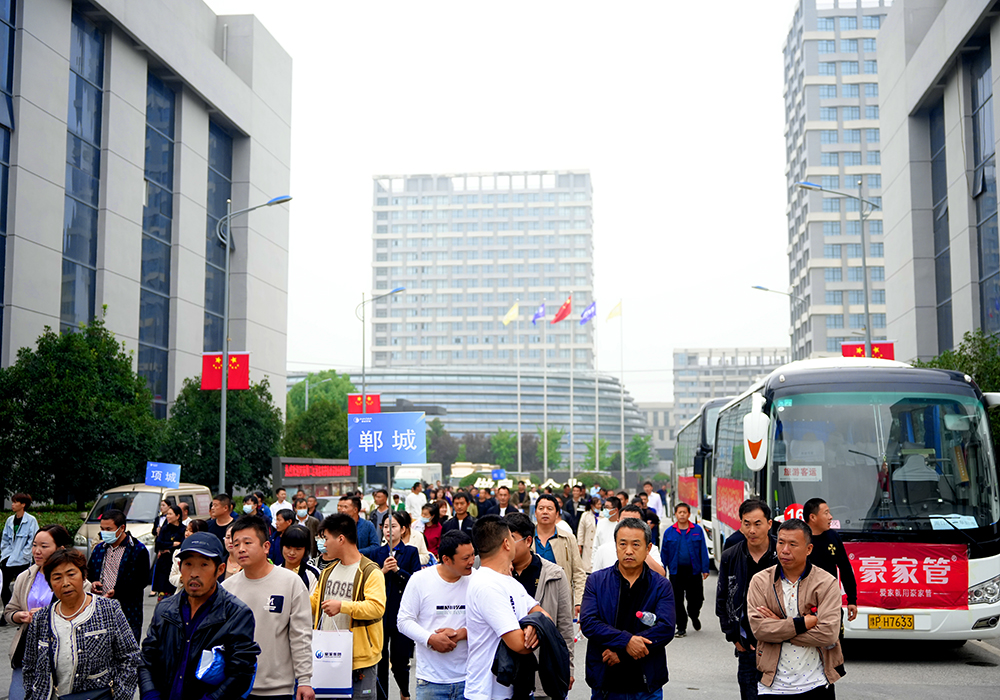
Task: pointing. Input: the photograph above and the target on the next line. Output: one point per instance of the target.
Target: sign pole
(517, 328)
(545, 404)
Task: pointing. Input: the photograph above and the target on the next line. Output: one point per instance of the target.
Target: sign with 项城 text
(386, 437)
(908, 575)
(164, 475)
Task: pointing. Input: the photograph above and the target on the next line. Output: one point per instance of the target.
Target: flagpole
(621, 350)
(545, 404)
(597, 404)
(572, 361)
(517, 329)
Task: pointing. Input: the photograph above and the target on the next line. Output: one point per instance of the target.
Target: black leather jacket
(229, 622)
(734, 581)
(552, 664)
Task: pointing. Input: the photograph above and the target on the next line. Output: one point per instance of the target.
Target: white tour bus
(903, 457)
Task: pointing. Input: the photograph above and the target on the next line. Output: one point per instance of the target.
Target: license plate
(890, 622)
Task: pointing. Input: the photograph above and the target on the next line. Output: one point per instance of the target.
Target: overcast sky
(674, 107)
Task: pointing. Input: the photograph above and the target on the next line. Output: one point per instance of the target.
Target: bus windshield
(886, 460)
(711, 417)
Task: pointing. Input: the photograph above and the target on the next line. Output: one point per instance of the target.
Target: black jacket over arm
(552, 664)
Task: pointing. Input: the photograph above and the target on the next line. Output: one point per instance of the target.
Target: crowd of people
(481, 588)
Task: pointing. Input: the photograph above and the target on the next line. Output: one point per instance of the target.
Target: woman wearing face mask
(232, 564)
(430, 516)
(296, 542)
(323, 560)
(399, 561)
(31, 594)
(414, 539)
(175, 568)
(167, 541)
(587, 529)
(81, 643)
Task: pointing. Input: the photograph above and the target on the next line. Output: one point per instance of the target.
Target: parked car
(141, 505)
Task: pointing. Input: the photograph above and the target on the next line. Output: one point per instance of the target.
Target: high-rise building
(833, 139)
(942, 246)
(124, 128)
(467, 247)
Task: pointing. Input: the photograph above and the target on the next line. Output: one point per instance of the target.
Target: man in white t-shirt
(281, 504)
(415, 501)
(495, 605)
(435, 599)
(654, 501)
(607, 554)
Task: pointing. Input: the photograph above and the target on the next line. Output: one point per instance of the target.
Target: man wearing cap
(202, 617)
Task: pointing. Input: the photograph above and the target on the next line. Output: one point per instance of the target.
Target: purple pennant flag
(539, 314)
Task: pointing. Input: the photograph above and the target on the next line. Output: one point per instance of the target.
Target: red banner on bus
(687, 491)
(904, 575)
(728, 497)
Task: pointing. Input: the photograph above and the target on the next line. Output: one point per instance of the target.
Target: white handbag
(333, 657)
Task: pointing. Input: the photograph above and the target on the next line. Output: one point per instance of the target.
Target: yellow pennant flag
(512, 314)
(617, 311)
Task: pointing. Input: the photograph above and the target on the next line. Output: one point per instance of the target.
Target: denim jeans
(747, 674)
(17, 683)
(440, 691)
(642, 695)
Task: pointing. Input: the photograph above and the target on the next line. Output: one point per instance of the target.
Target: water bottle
(646, 618)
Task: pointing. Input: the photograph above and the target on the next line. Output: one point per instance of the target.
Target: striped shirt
(112, 560)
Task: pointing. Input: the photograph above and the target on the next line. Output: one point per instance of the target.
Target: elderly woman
(82, 643)
(31, 594)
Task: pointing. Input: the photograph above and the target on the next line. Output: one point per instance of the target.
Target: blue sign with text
(167, 476)
(386, 437)
(498, 474)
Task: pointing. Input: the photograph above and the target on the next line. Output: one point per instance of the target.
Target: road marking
(986, 647)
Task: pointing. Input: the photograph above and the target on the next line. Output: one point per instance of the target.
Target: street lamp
(791, 297)
(872, 206)
(224, 239)
(360, 309)
(322, 381)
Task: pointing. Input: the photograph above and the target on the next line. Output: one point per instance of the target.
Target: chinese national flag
(374, 403)
(564, 310)
(881, 351)
(239, 371)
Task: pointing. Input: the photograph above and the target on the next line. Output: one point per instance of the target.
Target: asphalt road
(702, 666)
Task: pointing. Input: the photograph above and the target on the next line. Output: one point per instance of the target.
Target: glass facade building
(833, 139)
(467, 247)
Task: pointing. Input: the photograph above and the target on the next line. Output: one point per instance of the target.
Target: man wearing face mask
(119, 568)
(605, 530)
(307, 521)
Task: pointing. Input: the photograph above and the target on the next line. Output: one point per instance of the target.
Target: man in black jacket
(461, 521)
(119, 568)
(739, 564)
(828, 551)
(202, 617)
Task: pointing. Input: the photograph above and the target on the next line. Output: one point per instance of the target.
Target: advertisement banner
(386, 437)
(687, 491)
(729, 494)
(905, 575)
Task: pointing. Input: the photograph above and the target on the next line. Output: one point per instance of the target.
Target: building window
(854, 274)
(854, 250)
(853, 228)
(831, 204)
(870, 46)
(828, 114)
(831, 228)
(871, 67)
(828, 136)
(869, 22)
(848, 24)
(874, 157)
(871, 112)
(830, 159)
(220, 189)
(827, 68)
(878, 274)
(852, 158)
(852, 135)
(850, 90)
(856, 297)
(872, 135)
(6, 127)
(984, 187)
(827, 91)
(848, 46)
(157, 216)
(831, 251)
(878, 296)
(833, 274)
(871, 89)
(849, 67)
(878, 320)
(824, 24)
(876, 250)
(826, 46)
(875, 182)
(852, 113)
(830, 182)
(83, 172)
(942, 242)
(835, 298)
(835, 321)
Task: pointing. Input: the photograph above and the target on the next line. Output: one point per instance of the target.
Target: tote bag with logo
(333, 656)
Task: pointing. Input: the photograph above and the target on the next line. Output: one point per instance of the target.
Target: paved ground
(702, 666)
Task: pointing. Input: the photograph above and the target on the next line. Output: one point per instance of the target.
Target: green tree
(322, 385)
(441, 446)
(253, 435)
(978, 355)
(555, 438)
(531, 453)
(503, 444)
(319, 432)
(477, 447)
(460, 457)
(75, 418)
(603, 460)
(639, 453)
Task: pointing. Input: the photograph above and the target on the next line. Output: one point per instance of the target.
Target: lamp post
(791, 297)
(225, 240)
(359, 311)
(863, 215)
(322, 381)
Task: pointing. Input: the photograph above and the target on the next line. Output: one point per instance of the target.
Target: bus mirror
(992, 399)
(699, 465)
(755, 430)
(957, 423)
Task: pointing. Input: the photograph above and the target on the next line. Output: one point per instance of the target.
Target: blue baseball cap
(205, 544)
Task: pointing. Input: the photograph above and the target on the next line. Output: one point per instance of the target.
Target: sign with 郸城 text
(909, 575)
(164, 475)
(386, 437)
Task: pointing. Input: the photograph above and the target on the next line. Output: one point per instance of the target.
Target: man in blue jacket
(685, 557)
(626, 655)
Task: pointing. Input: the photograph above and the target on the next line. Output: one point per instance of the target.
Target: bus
(692, 469)
(903, 457)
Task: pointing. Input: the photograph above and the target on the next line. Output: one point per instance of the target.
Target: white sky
(674, 107)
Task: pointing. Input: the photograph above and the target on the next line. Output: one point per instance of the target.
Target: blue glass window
(827, 91)
(834, 298)
(220, 189)
(824, 24)
(6, 127)
(850, 90)
(826, 46)
(83, 172)
(829, 159)
(848, 24)
(848, 46)
(827, 68)
(852, 157)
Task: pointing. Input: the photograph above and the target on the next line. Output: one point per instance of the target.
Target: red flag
(881, 351)
(239, 371)
(564, 310)
(374, 403)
